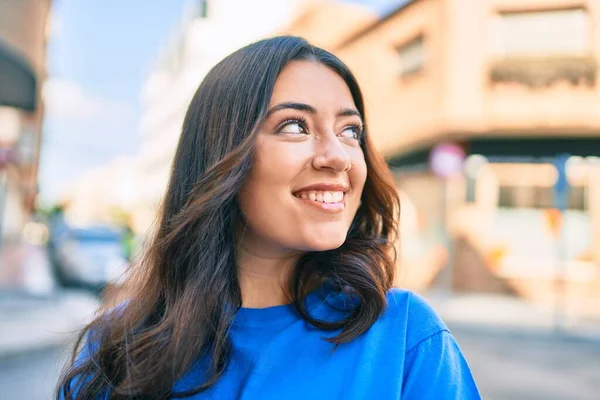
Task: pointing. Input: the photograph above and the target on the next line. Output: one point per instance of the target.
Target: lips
(323, 187)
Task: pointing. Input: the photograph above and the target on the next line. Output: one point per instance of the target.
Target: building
(481, 71)
(513, 85)
(23, 38)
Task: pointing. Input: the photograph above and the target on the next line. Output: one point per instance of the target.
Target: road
(31, 376)
(531, 368)
(511, 368)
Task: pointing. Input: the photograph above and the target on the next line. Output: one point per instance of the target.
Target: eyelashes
(302, 129)
(358, 131)
(300, 121)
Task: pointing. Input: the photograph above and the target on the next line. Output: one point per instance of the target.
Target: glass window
(412, 56)
(539, 197)
(541, 33)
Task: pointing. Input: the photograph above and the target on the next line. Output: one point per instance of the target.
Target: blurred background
(488, 113)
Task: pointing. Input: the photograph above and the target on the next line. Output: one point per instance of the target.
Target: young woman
(270, 273)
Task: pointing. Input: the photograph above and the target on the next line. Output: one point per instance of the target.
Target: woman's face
(308, 173)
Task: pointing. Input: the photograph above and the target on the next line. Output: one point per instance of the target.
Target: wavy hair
(185, 289)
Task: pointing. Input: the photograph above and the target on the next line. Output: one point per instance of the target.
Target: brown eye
(351, 132)
(293, 127)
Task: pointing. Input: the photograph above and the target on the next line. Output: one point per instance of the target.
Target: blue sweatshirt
(408, 353)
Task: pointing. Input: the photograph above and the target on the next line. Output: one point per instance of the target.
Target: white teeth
(322, 197)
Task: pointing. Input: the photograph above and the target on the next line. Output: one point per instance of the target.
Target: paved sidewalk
(29, 323)
(506, 315)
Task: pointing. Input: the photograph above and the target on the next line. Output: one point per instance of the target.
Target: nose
(330, 154)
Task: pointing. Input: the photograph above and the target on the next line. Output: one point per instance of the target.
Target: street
(530, 368)
(505, 367)
(31, 376)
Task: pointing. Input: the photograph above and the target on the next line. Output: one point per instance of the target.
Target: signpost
(7, 155)
(561, 201)
(446, 160)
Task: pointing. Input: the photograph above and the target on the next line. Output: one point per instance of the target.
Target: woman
(269, 276)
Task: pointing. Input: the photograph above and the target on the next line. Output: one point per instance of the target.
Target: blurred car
(90, 257)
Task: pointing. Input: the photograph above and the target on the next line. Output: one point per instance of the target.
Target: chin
(331, 243)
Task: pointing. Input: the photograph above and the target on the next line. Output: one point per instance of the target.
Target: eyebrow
(344, 112)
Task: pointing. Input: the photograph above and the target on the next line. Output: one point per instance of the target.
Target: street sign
(7, 155)
(447, 159)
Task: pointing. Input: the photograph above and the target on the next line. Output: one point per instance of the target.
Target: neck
(264, 278)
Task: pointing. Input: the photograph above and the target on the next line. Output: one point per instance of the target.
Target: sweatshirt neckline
(281, 314)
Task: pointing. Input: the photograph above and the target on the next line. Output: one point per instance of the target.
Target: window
(412, 56)
(525, 197)
(203, 9)
(541, 33)
(539, 197)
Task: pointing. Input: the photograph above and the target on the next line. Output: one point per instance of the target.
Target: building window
(564, 32)
(412, 56)
(539, 197)
(540, 48)
(203, 8)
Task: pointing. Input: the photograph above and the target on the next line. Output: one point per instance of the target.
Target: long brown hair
(185, 291)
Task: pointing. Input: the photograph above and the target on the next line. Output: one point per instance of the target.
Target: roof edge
(374, 25)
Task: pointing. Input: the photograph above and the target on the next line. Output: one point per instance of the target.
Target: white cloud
(67, 99)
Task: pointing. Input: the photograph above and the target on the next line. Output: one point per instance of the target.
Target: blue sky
(98, 56)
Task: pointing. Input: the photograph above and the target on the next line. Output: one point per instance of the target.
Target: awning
(17, 80)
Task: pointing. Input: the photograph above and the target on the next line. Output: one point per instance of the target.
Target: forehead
(312, 83)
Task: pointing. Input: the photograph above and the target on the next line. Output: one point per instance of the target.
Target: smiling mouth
(324, 200)
(321, 196)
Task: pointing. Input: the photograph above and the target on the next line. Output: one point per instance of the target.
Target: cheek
(358, 172)
(275, 167)
(265, 197)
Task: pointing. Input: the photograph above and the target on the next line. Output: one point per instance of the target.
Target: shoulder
(434, 366)
(410, 313)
